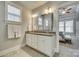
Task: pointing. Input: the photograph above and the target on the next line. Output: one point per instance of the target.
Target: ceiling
(32, 4)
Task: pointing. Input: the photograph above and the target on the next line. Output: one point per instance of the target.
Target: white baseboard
(9, 50)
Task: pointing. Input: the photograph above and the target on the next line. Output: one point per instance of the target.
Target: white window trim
(6, 12)
(65, 26)
(72, 25)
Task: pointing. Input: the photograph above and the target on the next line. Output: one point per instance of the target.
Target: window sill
(14, 38)
(13, 22)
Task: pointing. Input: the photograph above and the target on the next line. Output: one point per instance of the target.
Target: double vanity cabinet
(43, 42)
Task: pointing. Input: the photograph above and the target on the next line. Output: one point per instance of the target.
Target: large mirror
(44, 23)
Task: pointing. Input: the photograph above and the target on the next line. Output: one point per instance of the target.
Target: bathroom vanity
(41, 41)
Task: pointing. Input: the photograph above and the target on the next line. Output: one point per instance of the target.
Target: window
(14, 31)
(61, 26)
(14, 14)
(66, 26)
(69, 26)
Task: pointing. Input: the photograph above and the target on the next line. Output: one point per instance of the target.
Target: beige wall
(2, 23)
(25, 24)
(5, 43)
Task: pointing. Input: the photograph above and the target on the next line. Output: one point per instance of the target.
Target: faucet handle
(14, 34)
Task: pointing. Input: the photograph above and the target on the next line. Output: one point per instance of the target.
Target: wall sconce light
(48, 10)
(34, 15)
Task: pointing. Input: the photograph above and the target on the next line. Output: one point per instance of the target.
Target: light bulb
(35, 15)
(50, 10)
(46, 11)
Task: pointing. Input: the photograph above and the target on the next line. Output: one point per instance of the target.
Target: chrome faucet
(14, 34)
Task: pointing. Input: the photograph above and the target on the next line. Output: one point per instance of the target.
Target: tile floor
(32, 52)
(17, 53)
(28, 52)
(68, 50)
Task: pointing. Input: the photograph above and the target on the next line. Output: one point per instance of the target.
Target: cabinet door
(34, 41)
(41, 43)
(49, 45)
(28, 39)
(46, 45)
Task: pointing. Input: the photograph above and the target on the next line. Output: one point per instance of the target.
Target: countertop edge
(42, 33)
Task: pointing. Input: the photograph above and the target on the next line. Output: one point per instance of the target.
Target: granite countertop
(41, 33)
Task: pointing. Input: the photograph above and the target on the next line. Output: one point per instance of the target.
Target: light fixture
(66, 10)
(34, 15)
(48, 10)
(63, 12)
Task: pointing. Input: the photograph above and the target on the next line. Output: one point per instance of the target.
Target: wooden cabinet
(49, 45)
(41, 43)
(34, 41)
(44, 44)
(28, 39)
